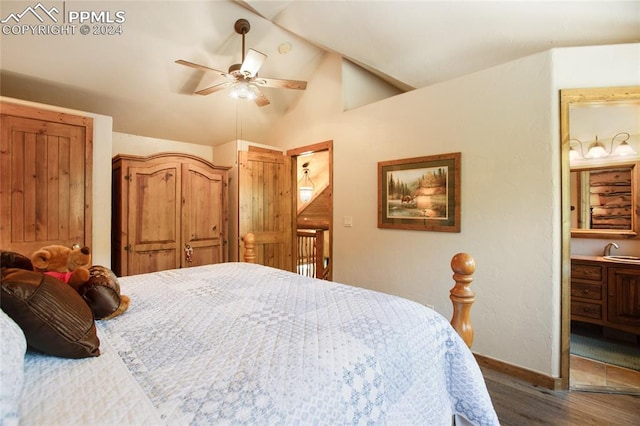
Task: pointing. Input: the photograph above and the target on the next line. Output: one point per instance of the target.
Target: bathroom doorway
(585, 334)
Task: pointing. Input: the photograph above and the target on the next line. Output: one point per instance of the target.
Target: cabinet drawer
(587, 272)
(586, 291)
(584, 309)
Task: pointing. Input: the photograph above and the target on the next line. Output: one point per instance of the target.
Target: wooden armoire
(169, 210)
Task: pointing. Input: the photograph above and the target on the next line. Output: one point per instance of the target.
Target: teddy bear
(70, 265)
(97, 284)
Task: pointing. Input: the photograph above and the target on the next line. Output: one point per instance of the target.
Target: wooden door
(204, 222)
(264, 189)
(45, 186)
(153, 222)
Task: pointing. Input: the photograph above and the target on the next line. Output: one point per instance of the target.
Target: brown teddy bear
(97, 285)
(70, 265)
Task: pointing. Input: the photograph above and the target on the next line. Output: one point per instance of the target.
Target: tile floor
(587, 374)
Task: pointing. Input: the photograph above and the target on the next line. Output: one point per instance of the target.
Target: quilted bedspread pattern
(237, 343)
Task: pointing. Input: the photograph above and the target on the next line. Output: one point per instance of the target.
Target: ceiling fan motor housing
(235, 69)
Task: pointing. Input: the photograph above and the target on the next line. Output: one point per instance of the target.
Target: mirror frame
(573, 97)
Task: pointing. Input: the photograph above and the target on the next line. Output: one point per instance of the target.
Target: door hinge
(127, 177)
(127, 247)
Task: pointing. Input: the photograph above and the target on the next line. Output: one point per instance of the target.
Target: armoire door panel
(154, 259)
(45, 192)
(203, 220)
(154, 216)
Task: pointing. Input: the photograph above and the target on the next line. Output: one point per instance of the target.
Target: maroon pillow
(53, 317)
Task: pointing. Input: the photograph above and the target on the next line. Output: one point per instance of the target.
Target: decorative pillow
(54, 318)
(12, 352)
(10, 259)
(101, 292)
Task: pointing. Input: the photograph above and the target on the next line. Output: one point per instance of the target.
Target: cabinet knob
(585, 291)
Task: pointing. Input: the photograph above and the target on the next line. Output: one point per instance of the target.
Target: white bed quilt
(237, 343)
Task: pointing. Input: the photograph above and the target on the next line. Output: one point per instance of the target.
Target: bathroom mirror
(604, 199)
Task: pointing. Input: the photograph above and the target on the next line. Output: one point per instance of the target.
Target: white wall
(101, 229)
(505, 121)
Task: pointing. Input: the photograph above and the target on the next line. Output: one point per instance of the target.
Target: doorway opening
(312, 173)
(599, 323)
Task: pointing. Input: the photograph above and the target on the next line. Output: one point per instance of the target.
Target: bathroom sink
(632, 259)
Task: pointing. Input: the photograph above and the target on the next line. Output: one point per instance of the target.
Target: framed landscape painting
(421, 193)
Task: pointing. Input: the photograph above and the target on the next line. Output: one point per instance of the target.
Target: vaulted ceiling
(132, 76)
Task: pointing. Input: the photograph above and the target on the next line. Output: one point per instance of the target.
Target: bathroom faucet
(607, 249)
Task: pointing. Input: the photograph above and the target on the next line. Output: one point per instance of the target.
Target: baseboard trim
(533, 377)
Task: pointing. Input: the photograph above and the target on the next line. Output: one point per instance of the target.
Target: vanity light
(574, 154)
(598, 150)
(624, 148)
(305, 186)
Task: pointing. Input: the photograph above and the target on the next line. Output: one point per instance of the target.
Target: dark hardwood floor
(519, 403)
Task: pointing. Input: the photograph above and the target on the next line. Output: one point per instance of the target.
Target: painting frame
(420, 193)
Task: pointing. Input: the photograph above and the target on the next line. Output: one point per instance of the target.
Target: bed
(240, 343)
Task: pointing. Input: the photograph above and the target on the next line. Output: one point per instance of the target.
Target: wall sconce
(305, 186)
(598, 150)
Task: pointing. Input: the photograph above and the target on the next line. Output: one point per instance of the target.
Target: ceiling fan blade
(281, 84)
(200, 67)
(215, 88)
(252, 63)
(261, 100)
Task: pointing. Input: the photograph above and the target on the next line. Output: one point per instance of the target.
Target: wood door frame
(568, 97)
(294, 154)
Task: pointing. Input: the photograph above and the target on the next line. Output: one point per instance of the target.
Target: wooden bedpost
(249, 247)
(462, 296)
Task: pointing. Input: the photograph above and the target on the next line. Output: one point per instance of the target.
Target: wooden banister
(462, 296)
(249, 247)
(310, 253)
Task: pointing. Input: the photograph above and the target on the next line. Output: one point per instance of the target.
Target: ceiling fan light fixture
(243, 91)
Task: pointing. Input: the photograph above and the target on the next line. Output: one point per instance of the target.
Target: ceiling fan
(243, 78)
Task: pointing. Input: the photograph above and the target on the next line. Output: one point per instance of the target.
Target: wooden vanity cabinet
(606, 293)
(169, 211)
(624, 297)
(588, 286)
